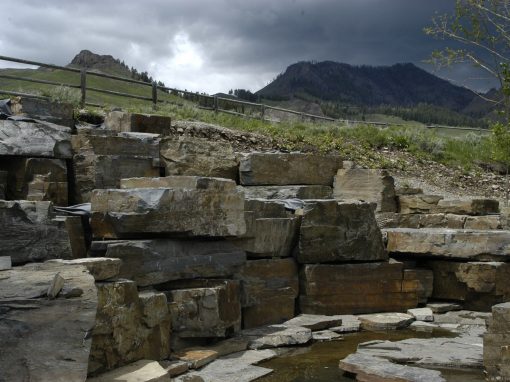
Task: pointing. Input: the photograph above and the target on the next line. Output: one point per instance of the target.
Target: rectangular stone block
(449, 243)
(274, 310)
(333, 231)
(214, 211)
(434, 204)
(369, 185)
(266, 169)
(213, 311)
(288, 192)
(140, 123)
(337, 289)
(418, 204)
(420, 280)
(271, 231)
(150, 262)
(31, 233)
(54, 112)
(34, 139)
(479, 285)
(199, 156)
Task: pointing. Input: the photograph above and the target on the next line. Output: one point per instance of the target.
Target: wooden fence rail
(154, 96)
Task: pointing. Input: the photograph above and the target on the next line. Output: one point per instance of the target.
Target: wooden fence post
(154, 95)
(83, 87)
(262, 111)
(215, 104)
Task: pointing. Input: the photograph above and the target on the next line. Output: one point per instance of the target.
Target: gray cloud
(216, 45)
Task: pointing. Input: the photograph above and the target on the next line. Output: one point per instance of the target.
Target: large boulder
(478, 285)
(263, 169)
(121, 121)
(449, 243)
(150, 262)
(333, 231)
(356, 288)
(31, 232)
(46, 339)
(183, 206)
(198, 156)
(269, 288)
(369, 185)
(35, 139)
(271, 231)
(129, 326)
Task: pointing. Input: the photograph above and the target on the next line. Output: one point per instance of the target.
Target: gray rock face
(211, 208)
(150, 262)
(336, 289)
(30, 233)
(452, 221)
(496, 343)
(35, 139)
(385, 321)
(100, 268)
(54, 112)
(315, 321)
(269, 288)
(288, 192)
(121, 121)
(334, 231)
(129, 326)
(213, 311)
(265, 169)
(102, 158)
(422, 314)
(434, 204)
(369, 185)
(274, 336)
(478, 285)
(421, 280)
(42, 339)
(448, 243)
(143, 370)
(198, 156)
(271, 231)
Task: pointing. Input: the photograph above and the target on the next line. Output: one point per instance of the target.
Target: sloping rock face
(46, 339)
(129, 326)
(369, 185)
(333, 231)
(447, 243)
(198, 156)
(479, 285)
(214, 208)
(121, 121)
(150, 262)
(35, 139)
(271, 231)
(356, 288)
(288, 192)
(269, 288)
(496, 344)
(102, 158)
(30, 233)
(263, 169)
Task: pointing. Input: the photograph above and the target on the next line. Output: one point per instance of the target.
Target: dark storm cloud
(216, 45)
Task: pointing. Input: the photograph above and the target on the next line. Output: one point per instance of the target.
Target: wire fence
(214, 103)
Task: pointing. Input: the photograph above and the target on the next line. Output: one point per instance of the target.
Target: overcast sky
(216, 45)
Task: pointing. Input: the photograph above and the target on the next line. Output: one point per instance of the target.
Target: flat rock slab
(30, 233)
(142, 370)
(196, 358)
(422, 314)
(302, 192)
(368, 368)
(434, 204)
(150, 262)
(333, 231)
(326, 335)
(101, 268)
(140, 123)
(43, 339)
(265, 169)
(443, 307)
(350, 323)
(210, 208)
(385, 321)
(315, 321)
(274, 336)
(451, 221)
(235, 367)
(449, 243)
(35, 139)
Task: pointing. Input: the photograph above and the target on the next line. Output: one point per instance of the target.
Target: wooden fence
(213, 103)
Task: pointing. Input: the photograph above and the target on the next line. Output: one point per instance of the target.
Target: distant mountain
(403, 85)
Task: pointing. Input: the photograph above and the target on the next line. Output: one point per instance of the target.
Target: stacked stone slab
(460, 241)
(496, 344)
(103, 157)
(124, 122)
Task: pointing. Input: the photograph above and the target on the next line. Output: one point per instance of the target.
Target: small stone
(422, 314)
(385, 321)
(5, 263)
(197, 358)
(55, 287)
